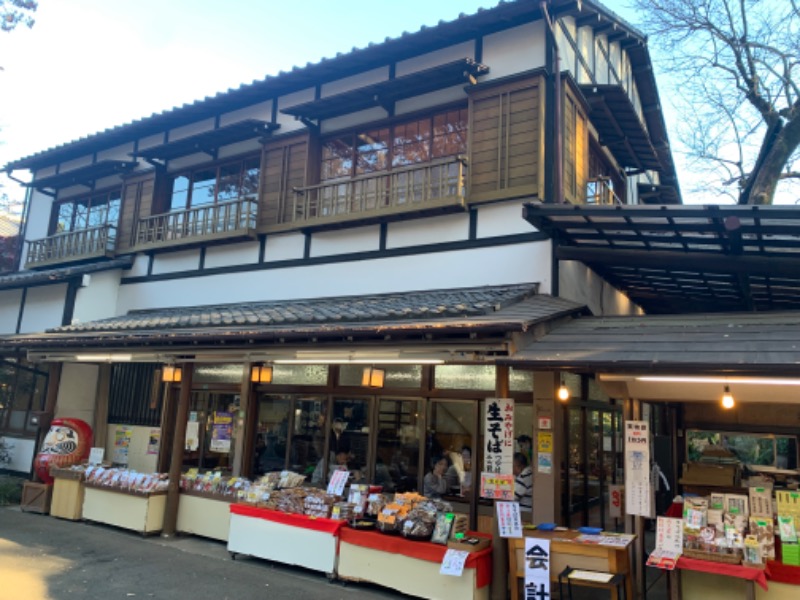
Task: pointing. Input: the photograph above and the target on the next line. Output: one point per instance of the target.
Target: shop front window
(272, 431)
(397, 455)
(211, 430)
(465, 377)
(309, 424)
(348, 443)
(451, 433)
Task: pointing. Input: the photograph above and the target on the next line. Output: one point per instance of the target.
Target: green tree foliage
(735, 67)
(16, 12)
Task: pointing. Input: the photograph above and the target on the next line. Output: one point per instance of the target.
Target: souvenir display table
(566, 550)
(411, 567)
(138, 511)
(205, 514)
(284, 537)
(695, 578)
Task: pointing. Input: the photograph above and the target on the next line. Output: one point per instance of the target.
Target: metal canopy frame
(386, 93)
(209, 142)
(619, 127)
(84, 175)
(671, 259)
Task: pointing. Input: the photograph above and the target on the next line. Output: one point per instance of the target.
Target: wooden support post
(101, 406)
(176, 460)
(242, 445)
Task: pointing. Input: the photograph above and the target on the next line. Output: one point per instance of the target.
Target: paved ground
(43, 558)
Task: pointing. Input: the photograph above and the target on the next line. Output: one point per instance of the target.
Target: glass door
(210, 430)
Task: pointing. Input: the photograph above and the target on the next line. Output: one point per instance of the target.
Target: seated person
(523, 482)
(434, 483)
(339, 462)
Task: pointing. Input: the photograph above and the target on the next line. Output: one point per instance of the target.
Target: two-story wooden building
(360, 212)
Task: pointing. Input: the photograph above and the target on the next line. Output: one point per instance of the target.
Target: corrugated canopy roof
(702, 343)
(670, 259)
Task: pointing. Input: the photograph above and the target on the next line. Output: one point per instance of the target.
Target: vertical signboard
(498, 430)
(537, 568)
(637, 469)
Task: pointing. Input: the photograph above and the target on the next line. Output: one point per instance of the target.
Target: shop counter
(137, 511)
(566, 550)
(204, 514)
(286, 538)
(411, 567)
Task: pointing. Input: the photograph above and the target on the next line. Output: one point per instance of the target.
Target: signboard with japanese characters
(616, 496)
(499, 436)
(497, 487)
(509, 522)
(537, 569)
(669, 543)
(638, 491)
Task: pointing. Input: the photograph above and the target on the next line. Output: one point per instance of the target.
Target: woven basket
(730, 559)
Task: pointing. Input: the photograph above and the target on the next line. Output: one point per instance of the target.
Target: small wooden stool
(614, 585)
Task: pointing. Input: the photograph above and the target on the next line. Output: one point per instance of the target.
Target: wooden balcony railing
(599, 191)
(231, 219)
(72, 246)
(406, 189)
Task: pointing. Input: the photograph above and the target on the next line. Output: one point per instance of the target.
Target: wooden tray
(730, 559)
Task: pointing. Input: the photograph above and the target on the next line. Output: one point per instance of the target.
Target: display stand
(411, 567)
(205, 514)
(286, 538)
(67, 502)
(137, 511)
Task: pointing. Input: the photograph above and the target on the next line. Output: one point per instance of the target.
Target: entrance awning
(386, 93)
(677, 357)
(687, 259)
(619, 127)
(447, 322)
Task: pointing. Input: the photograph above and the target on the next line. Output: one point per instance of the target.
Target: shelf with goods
(125, 498)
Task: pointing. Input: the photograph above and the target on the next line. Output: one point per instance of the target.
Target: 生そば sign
(498, 430)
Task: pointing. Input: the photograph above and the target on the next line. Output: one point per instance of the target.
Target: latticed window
(84, 212)
(210, 185)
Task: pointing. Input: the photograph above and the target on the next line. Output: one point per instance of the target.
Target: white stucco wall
(518, 263)
(513, 50)
(432, 230)
(77, 391)
(98, 299)
(502, 218)
(138, 458)
(235, 254)
(580, 284)
(358, 239)
(44, 308)
(9, 310)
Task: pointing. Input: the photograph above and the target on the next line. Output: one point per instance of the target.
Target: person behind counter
(523, 482)
(339, 463)
(434, 484)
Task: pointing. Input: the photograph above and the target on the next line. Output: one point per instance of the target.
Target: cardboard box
(482, 544)
(708, 474)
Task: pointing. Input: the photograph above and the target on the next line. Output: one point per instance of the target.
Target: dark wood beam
(668, 260)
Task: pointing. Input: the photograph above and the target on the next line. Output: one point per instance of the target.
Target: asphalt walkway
(44, 558)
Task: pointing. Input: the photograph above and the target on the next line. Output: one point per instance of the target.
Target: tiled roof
(343, 64)
(23, 279)
(491, 308)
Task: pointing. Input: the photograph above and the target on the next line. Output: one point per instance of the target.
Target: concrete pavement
(44, 558)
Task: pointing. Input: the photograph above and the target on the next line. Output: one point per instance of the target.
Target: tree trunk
(767, 172)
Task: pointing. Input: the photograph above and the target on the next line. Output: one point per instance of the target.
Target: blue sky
(92, 64)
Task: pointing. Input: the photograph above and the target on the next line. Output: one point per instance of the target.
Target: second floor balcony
(432, 187)
(234, 219)
(601, 191)
(72, 246)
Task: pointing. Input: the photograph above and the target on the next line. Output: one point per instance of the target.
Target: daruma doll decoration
(68, 442)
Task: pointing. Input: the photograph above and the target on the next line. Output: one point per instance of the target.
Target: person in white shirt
(523, 482)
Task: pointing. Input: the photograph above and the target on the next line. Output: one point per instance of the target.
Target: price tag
(337, 483)
(453, 562)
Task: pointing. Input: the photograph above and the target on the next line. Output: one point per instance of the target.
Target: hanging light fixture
(261, 373)
(171, 374)
(373, 377)
(563, 393)
(727, 398)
